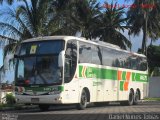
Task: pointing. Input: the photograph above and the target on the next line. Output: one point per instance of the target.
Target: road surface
(144, 111)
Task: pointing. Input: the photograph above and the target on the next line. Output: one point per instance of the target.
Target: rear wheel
(44, 107)
(130, 99)
(83, 101)
(136, 98)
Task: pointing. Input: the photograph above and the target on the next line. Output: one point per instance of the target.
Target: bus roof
(95, 42)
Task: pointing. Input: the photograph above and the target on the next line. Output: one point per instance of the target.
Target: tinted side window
(107, 57)
(138, 63)
(122, 59)
(115, 56)
(143, 64)
(95, 56)
(85, 53)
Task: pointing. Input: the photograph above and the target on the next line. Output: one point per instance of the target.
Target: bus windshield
(37, 63)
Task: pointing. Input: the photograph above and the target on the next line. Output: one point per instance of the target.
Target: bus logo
(143, 77)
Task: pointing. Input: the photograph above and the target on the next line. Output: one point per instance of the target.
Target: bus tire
(83, 101)
(136, 98)
(130, 100)
(44, 107)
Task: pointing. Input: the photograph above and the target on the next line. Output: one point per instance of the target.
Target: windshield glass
(43, 47)
(39, 65)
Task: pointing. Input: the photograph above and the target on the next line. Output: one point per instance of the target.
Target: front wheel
(44, 107)
(83, 101)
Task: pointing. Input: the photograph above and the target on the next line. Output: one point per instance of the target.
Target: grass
(5, 106)
(16, 106)
(152, 99)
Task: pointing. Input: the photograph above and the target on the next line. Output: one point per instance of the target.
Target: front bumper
(40, 99)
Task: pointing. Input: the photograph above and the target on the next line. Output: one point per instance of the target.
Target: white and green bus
(71, 70)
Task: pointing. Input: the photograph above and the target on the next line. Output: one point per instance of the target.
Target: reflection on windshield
(38, 70)
(43, 47)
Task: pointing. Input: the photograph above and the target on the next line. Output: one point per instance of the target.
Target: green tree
(86, 18)
(62, 17)
(30, 19)
(153, 55)
(8, 1)
(143, 16)
(63, 10)
(10, 99)
(111, 26)
(76, 16)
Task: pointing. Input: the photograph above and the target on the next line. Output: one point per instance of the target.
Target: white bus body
(91, 72)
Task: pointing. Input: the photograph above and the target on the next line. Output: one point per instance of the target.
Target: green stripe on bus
(139, 77)
(61, 88)
(102, 73)
(121, 85)
(99, 73)
(42, 89)
(36, 88)
(133, 76)
(124, 75)
(80, 71)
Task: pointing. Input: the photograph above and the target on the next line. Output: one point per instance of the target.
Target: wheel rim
(137, 97)
(130, 97)
(83, 99)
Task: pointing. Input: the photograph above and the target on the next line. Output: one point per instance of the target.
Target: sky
(136, 40)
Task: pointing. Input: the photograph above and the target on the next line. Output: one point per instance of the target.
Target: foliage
(27, 21)
(59, 17)
(152, 99)
(145, 19)
(153, 55)
(87, 17)
(10, 2)
(10, 99)
(3, 105)
(34, 18)
(112, 25)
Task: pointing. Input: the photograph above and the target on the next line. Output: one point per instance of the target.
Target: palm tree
(75, 16)
(27, 21)
(146, 19)
(63, 17)
(111, 26)
(63, 10)
(86, 17)
(8, 1)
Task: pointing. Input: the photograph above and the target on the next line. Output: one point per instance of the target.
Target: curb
(18, 108)
(151, 101)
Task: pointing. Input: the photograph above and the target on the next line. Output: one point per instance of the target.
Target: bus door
(110, 87)
(97, 61)
(110, 74)
(70, 75)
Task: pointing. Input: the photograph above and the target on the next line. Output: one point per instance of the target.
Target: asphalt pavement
(114, 111)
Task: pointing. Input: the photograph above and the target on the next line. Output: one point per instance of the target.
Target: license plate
(34, 100)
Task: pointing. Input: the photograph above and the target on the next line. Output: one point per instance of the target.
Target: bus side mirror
(61, 59)
(7, 58)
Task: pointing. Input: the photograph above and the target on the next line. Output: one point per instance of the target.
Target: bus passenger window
(85, 53)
